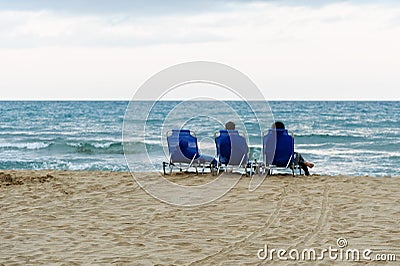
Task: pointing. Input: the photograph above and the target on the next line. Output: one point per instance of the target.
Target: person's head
(230, 125)
(278, 125)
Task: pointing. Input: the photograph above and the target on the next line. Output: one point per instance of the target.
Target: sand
(68, 217)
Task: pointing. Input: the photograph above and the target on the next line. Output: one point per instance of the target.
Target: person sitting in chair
(228, 137)
(298, 159)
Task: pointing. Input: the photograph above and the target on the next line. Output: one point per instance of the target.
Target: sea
(356, 138)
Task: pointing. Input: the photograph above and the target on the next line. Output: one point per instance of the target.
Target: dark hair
(230, 125)
(279, 125)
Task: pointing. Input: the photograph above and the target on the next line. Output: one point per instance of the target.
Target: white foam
(27, 145)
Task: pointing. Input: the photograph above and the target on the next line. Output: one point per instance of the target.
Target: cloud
(104, 7)
(46, 28)
(238, 22)
(318, 51)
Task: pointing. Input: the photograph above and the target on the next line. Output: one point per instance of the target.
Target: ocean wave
(334, 138)
(64, 165)
(84, 146)
(327, 135)
(116, 147)
(352, 154)
(25, 145)
(313, 145)
(95, 147)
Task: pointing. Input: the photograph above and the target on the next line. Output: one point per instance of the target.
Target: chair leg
(163, 166)
(250, 171)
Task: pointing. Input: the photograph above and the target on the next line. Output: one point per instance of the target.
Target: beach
(95, 217)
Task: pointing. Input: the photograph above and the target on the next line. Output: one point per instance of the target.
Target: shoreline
(281, 173)
(50, 216)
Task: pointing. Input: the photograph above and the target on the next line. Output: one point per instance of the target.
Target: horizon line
(174, 100)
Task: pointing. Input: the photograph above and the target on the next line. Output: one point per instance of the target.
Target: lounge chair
(232, 151)
(184, 152)
(278, 151)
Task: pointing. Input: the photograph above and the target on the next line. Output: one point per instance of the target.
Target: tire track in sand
(320, 222)
(271, 219)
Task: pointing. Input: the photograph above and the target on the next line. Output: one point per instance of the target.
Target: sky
(292, 50)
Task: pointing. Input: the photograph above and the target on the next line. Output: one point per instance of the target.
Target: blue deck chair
(232, 151)
(184, 152)
(278, 151)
